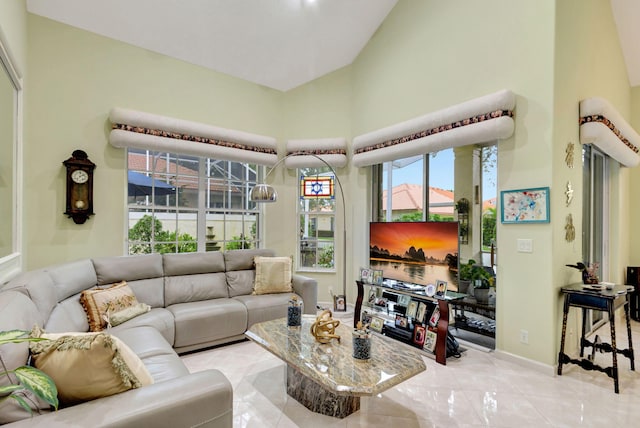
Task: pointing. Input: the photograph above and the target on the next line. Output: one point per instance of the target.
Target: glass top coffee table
(326, 378)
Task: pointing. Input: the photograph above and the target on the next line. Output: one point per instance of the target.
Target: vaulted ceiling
(280, 44)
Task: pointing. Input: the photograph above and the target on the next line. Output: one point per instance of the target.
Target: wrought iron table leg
(614, 350)
(626, 314)
(565, 312)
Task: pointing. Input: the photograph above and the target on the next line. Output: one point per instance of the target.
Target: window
(473, 168)
(595, 216)
(408, 196)
(180, 203)
(595, 219)
(316, 219)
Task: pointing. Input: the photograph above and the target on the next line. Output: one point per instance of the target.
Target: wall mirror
(10, 134)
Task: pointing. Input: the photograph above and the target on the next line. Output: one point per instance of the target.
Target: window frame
(199, 213)
(328, 216)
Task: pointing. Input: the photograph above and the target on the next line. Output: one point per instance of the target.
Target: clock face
(79, 176)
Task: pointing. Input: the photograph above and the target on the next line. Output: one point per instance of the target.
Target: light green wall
(319, 109)
(429, 55)
(589, 63)
(76, 77)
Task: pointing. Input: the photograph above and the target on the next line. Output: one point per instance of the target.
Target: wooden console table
(443, 307)
(578, 295)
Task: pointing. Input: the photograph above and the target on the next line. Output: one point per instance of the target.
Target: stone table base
(318, 399)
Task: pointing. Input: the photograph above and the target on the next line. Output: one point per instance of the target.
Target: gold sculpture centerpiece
(324, 328)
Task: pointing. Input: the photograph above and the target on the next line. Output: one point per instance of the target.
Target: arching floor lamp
(265, 193)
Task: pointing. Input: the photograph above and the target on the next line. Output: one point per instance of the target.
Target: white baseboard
(525, 362)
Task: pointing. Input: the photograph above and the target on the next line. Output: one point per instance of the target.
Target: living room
(424, 58)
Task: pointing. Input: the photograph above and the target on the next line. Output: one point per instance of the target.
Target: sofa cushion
(85, 366)
(40, 288)
(98, 303)
(72, 278)
(243, 259)
(265, 307)
(207, 321)
(157, 355)
(159, 319)
(68, 315)
(17, 312)
(240, 282)
(144, 274)
(273, 275)
(149, 291)
(128, 268)
(194, 288)
(193, 263)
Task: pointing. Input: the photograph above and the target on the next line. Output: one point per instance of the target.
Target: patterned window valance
(602, 126)
(480, 120)
(301, 153)
(166, 134)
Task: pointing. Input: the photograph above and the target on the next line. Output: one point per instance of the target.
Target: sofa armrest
(307, 288)
(203, 399)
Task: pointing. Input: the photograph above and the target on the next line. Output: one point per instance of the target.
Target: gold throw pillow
(273, 275)
(86, 366)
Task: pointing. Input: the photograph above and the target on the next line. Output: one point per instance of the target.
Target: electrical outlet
(524, 337)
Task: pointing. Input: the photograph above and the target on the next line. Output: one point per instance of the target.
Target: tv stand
(414, 294)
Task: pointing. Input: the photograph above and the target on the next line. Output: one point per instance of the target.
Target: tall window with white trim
(180, 203)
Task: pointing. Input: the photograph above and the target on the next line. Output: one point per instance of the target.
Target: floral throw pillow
(100, 303)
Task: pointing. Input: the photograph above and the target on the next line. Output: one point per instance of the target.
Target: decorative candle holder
(294, 312)
(361, 342)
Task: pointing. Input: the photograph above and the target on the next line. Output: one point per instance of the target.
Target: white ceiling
(627, 16)
(276, 43)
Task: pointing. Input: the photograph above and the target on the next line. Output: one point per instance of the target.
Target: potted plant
(27, 378)
(476, 277)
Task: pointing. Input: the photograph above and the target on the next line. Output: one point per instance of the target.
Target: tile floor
(475, 390)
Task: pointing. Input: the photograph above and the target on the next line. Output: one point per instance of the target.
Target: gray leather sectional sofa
(198, 300)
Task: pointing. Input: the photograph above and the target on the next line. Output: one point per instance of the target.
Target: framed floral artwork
(525, 205)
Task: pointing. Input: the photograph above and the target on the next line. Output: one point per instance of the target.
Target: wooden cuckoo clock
(79, 186)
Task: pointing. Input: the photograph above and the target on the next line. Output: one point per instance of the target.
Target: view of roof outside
(408, 183)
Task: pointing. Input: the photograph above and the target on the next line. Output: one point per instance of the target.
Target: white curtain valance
(302, 153)
(602, 126)
(476, 121)
(149, 131)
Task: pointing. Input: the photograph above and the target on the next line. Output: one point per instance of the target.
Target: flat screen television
(415, 253)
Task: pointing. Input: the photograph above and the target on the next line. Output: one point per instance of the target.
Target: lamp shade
(263, 193)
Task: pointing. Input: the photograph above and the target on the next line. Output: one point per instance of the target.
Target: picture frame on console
(441, 289)
(401, 321)
(366, 318)
(412, 309)
(366, 275)
(339, 303)
(422, 309)
(376, 276)
(419, 335)
(377, 324)
(435, 317)
(430, 340)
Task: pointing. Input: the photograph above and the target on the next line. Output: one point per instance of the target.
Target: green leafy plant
(149, 229)
(472, 272)
(28, 378)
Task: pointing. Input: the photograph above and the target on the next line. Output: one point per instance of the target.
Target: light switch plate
(525, 245)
